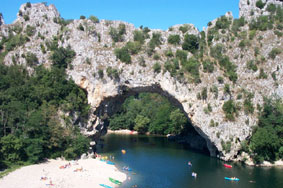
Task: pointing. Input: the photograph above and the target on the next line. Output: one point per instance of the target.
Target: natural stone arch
(111, 105)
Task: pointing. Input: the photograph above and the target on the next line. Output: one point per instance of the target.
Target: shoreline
(122, 131)
(87, 173)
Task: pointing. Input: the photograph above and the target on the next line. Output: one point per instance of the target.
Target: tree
(141, 124)
(94, 19)
(61, 57)
(259, 4)
(178, 121)
(191, 43)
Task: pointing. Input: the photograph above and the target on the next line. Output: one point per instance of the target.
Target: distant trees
(266, 142)
(149, 112)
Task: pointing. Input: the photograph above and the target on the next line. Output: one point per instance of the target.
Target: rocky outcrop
(95, 52)
(1, 19)
(250, 10)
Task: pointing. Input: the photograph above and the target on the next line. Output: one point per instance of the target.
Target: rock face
(249, 10)
(1, 19)
(94, 49)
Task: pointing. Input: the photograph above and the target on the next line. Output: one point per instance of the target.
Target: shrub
(191, 43)
(15, 41)
(174, 39)
(82, 17)
(207, 66)
(156, 57)
(214, 89)
(181, 55)
(252, 34)
(28, 5)
(112, 73)
(271, 8)
(192, 67)
(220, 80)
(274, 52)
(94, 19)
(262, 74)
(81, 27)
(61, 57)
(157, 67)
(139, 36)
(133, 47)
(100, 73)
(251, 65)
(230, 110)
(217, 51)
(227, 89)
(204, 93)
(248, 106)
(30, 31)
(123, 54)
(184, 28)
(26, 17)
(222, 23)
(156, 39)
(237, 24)
(31, 59)
(169, 53)
(259, 4)
(117, 34)
(262, 23)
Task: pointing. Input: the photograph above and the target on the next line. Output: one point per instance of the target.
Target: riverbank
(87, 173)
(124, 131)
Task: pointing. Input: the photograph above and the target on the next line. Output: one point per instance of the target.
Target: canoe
(110, 162)
(106, 186)
(115, 181)
(228, 166)
(232, 179)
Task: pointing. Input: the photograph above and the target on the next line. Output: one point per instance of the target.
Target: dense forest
(266, 142)
(30, 127)
(149, 112)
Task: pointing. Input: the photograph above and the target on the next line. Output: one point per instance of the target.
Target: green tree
(191, 43)
(141, 124)
(178, 121)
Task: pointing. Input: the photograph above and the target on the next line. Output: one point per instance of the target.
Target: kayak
(127, 168)
(106, 186)
(110, 162)
(232, 179)
(115, 181)
(228, 166)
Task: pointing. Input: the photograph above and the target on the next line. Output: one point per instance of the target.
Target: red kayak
(228, 166)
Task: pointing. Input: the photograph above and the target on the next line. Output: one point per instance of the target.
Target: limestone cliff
(95, 48)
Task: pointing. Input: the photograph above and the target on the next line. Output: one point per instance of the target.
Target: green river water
(159, 163)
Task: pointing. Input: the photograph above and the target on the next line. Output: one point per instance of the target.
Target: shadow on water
(159, 163)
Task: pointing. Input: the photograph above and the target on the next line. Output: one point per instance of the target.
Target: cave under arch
(195, 139)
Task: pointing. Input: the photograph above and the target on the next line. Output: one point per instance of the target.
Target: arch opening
(192, 137)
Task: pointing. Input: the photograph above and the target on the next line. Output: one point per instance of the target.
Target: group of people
(193, 173)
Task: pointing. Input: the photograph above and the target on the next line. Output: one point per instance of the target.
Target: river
(159, 163)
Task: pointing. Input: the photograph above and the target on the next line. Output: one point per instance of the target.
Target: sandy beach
(86, 173)
(124, 131)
